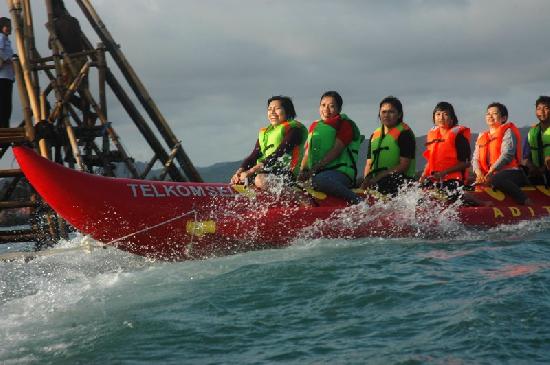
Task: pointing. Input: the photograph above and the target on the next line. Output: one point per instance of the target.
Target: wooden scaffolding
(65, 122)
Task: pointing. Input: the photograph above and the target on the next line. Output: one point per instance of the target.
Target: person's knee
(318, 182)
(260, 181)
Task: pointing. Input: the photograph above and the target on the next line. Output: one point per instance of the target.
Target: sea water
(480, 297)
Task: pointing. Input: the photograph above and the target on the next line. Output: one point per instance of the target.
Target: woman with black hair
(447, 150)
(330, 159)
(497, 155)
(391, 154)
(278, 150)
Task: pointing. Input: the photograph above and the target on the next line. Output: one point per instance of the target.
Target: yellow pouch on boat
(243, 190)
(375, 193)
(495, 194)
(200, 228)
(316, 194)
(543, 189)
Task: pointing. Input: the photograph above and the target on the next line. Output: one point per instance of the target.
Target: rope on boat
(86, 245)
(150, 227)
(28, 256)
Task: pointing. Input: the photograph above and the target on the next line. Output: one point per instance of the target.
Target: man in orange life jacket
(536, 151)
(447, 151)
(497, 155)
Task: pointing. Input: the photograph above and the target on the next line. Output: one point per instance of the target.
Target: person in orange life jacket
(497, 155)
(327, 160)
(447, 151)
(537, 159)
(391, 153)
(265, 169)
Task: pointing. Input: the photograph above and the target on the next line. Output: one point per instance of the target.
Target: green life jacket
(385, 152)
(320, 142)
(536, 138)
(271, 137)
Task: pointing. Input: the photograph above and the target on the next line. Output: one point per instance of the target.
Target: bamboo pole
(59, 110)
(68, 127)
(24, 99)
(69, 92)
(10, 173)
(87, 53)
(139, 89)
(112, 134)
(74, 115)
(44, 148)
(148, 167)
(16, 204)
(44, 102)
(29, 40)
(23, 57)
(12, 132)
(138, 119)
(169, 162)
(101, 68)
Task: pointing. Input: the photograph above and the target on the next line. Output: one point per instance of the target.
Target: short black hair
(336, 96)
(543, 100)
(4, 21)
(395, 102)
(501, 108)
(446, 107)
(286, 103)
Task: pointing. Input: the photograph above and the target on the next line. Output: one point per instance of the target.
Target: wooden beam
(139, 89)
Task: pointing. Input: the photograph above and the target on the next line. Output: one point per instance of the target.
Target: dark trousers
(510, 182)
(6, 90)
(390, 184)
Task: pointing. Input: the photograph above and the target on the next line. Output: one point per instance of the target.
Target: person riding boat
(391, 154)
(536, 153)
(330, 158)
(447, 151)
(278, 150)
(497, 155)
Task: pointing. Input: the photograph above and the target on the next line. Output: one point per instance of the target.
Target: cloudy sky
(211, 65)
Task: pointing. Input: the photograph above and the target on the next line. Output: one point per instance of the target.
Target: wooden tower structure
(66, 122)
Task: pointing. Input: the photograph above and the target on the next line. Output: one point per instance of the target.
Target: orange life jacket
(441, 152)
(489, 147)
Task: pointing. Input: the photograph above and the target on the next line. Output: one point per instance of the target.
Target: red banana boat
(182, 220)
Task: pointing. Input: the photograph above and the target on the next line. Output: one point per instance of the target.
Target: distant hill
(219, 172)
(222, 171)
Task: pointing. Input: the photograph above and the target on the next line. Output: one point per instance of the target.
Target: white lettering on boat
(183, 190)
(165, 190)
(169, 190)
(156, 192)
(146, 190)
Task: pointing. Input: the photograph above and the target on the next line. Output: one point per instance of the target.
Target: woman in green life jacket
(330, 159)
(391, 153)
(278, 150)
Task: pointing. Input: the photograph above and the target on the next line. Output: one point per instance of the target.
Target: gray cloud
(211, 65)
